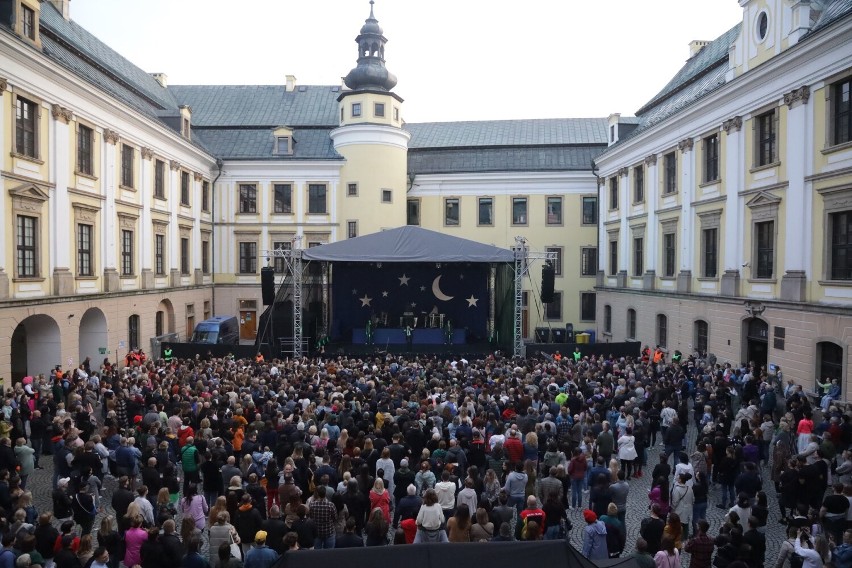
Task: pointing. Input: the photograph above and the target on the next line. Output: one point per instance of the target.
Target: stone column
(146, 231)
(797, 212)
(649, 279)
(732, 237)
(110, 237)
(60, 205)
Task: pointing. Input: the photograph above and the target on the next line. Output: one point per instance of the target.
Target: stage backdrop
(363, 289)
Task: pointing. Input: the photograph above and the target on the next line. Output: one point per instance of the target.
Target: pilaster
(63, 282)
(796, 212)
(651, 207)
(61, 241)
(649, 280)
(621, 279)
(112, 283)
(730, 285)
(732, 253)
(684, 281)
(147, 277)
(3, 216)
(794, 286)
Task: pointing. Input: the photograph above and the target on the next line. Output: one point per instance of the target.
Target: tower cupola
(370, 73)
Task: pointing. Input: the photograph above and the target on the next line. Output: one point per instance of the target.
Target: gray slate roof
(258, 143)
(834, 11)
(259, 105)
(537, 132)
(508, 159)
(70, 45)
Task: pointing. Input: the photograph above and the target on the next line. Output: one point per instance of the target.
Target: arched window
(702, 333)
(133, 332)
(608, 318)
(631, 323)
(158, 323)
(662, 330)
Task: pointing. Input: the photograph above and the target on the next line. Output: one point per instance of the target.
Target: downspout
(219, 164)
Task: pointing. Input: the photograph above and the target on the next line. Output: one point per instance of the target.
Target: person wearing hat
(260, 555)
(594, 537)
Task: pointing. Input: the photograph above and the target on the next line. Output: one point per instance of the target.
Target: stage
(396, 336)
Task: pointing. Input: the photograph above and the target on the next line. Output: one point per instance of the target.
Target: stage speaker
(267, 285)
(542, 335)
(569, 333)
(558, 335)
(548, 275)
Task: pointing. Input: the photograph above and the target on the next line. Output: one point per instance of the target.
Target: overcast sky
(455, 60)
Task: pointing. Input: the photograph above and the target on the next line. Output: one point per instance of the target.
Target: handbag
(236, 549)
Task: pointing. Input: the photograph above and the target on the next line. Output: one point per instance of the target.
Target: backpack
(796, 560)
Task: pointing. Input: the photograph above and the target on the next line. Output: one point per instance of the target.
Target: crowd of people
(238, 463)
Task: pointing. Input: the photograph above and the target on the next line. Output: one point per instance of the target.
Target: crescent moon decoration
(436, 289)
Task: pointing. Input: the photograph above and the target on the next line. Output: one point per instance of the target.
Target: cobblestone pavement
(40, 483)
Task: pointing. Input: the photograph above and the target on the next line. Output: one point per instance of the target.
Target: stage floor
(396, 336)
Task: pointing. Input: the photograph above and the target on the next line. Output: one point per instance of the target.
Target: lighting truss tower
(294, 268)
(523, 256)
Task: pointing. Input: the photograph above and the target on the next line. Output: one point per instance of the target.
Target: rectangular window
(553, 310)
(519, 210)
(356, 110)
(607, 319)
(841, 111)
(554, 211)
(589, 261)
(317, 199)
(205, 195)
(631, 323)
(764, 236)
(282, 145)
(160, 179)
(710, 239)
(278, 263)
(639, 184)
(638, 256)
(590, 210)
(711, 158)
(184, 256)
(282, 198)
(669, 254)
(126, 165)
(412, 214)
(613, 193)
(184, 188)
(352, 189)
(662, 331)
(670, 163)
(841, 245)
(587, 306)
(248, 198)
(351, 229)
(26, 115)
(160, 255)
(206, 309)
(248, 258)
(452, 212)
(485, 213)
(126, 253)
(387, 196)
(28, 29)
(764, 143)
(379, 110)
(84, 250)
(613, 257)
(27, 247)
(205, 260)
(557, 262)
(85, 147)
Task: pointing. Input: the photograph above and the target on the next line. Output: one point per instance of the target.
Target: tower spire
(370, 73)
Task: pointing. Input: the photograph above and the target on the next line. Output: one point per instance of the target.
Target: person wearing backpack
(787, 552)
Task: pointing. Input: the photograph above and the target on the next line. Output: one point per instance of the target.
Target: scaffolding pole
(523, 256)
(294, 268)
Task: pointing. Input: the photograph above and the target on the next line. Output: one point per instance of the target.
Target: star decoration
(365, 301)
(461, 276)
(354, 291)
(423, 288)
(403, 280)
(413, 304)
(384, 294)
(471, 302)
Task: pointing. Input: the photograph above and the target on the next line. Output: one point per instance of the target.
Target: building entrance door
(248, 324)
(757, 342)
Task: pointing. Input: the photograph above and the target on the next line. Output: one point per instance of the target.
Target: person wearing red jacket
(513, 447)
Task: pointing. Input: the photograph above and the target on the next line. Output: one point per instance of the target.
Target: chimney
(64, 7)
(161, 78)
(696, 45)
(291, 83)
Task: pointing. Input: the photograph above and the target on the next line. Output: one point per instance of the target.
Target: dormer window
(282, 145)
(28, 22)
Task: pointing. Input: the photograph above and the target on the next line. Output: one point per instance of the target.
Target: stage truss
(524, 258)
(294, 268)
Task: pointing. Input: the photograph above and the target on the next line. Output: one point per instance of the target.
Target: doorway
(757, 342)
(35, 347)
(248, 325)
(93, 337)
